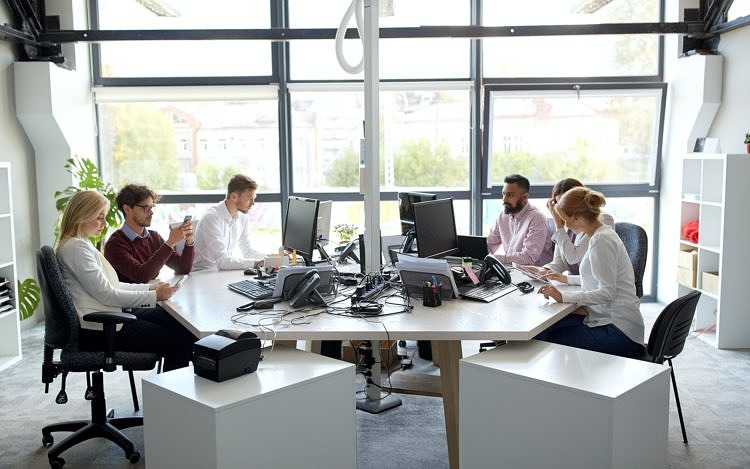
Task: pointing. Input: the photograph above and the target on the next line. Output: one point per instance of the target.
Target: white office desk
(296, 410)
(204, 305)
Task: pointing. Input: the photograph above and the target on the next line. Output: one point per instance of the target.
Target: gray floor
(713, 388)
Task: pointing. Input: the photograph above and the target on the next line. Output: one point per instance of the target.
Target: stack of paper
(6, 300)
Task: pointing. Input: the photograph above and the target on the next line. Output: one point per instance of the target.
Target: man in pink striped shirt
(520, 228)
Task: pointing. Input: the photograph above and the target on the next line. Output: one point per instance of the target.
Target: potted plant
(747, 141)
(345, 232)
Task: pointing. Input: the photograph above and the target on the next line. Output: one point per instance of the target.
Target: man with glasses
(138, 254)
(520, 228)
(223, 237)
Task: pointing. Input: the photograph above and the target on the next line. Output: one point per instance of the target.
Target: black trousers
(155, 331)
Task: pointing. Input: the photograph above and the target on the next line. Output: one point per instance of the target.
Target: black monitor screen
(406, 201)
(435, 227)
(300, 226)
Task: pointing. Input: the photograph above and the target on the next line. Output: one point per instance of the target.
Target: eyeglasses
(146, 208)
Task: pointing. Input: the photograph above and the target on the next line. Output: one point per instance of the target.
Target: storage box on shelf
(715, 192)
(687, 265)
(10, 333)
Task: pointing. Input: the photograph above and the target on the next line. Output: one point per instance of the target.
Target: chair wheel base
(134, 457)
(47, 440)
(56, 463)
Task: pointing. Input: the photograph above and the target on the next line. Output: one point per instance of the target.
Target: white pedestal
(535, 404)
(296, 410)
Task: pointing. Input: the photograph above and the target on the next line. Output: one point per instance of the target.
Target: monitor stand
(348, 251)
(409, 242)
(323, 254)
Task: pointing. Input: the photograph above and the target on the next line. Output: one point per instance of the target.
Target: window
(139, 143)
(122, 59)
(601, 136)
(399, 58)
(424, 139)
(570, 56)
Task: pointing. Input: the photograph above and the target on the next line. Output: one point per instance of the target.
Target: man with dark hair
(521, 228)
(223, 236)
(138, 254)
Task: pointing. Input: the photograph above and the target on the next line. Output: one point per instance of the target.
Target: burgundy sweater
(140, 260)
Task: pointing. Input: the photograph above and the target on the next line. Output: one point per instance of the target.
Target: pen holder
(431, 298)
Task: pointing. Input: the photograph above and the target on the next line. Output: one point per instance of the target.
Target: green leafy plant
(29, 296)
(747, 138)
(87, 175)
(345, 231)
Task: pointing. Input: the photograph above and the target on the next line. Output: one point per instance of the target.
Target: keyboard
(488, 292)
(252, 290)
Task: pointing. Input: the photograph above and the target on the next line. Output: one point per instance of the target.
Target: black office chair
(668, 336)
(636, 243)
(61, 332)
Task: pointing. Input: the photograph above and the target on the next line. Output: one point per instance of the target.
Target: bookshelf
(10, 331)
(716, 192)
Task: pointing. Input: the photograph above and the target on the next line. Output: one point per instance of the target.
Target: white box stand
(296, 410)
(535, 404)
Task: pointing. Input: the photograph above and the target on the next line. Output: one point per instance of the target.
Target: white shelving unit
(716, 192)
(10, 331)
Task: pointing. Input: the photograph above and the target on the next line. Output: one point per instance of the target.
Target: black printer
(226, 355)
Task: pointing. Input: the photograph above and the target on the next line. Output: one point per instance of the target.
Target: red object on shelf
(689, 231)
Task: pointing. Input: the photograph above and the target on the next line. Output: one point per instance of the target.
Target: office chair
(61, 332)
(668, 336)
(636, 243)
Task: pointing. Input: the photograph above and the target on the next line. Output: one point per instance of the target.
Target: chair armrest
(109, 318)
(109, 322)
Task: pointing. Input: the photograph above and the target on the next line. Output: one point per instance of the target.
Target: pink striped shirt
(524, 236)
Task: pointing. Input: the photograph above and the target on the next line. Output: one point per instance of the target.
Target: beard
(510, 209)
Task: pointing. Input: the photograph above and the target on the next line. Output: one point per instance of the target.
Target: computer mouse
(251, 271)
(525, 287)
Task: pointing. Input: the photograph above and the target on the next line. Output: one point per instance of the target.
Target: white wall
(730, 124)
(15, 148)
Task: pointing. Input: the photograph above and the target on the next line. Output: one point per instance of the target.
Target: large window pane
(424, 142)
(190, 146)
(399, 58)
(598, 136)
(569, 56)
(637, 210)
(185, 58)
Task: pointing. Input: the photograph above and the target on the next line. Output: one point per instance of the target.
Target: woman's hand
(164, 291)
(552, 275)
(550, 291)
(552, 207)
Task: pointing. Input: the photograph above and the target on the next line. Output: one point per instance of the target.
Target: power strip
(366, 295)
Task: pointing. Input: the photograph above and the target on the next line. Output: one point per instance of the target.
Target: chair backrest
(671, 328)
(636, 243)
(60, 318)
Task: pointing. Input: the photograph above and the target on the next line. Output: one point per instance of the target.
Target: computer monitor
(300, 227)
(406, 201)
(324, 221)
(435, 228)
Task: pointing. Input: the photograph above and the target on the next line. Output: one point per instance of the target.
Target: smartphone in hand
(179, 280)
(180, 223)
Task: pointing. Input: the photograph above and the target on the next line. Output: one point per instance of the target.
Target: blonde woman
(94, 286)
(612, 321)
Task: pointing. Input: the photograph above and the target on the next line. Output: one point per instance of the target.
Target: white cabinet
(10, 335)
(716, 192)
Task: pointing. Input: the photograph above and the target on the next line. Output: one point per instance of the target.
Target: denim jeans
(573, 332)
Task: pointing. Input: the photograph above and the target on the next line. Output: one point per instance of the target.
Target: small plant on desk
(345, 232)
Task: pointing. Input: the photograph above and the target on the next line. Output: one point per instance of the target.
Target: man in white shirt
(222, 238)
